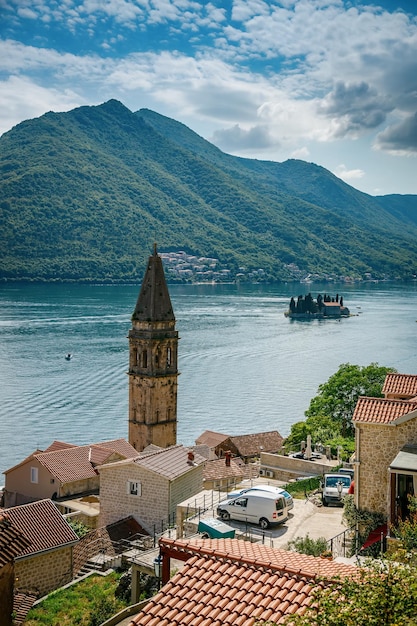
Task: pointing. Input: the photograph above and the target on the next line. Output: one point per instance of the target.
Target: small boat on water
(68, 356)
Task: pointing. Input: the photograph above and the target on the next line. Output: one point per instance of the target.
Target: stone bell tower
(153, 359)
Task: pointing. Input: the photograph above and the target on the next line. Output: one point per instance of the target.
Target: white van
(335, 487)
(257, 507)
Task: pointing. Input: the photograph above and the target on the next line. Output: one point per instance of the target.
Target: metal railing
(344, 544)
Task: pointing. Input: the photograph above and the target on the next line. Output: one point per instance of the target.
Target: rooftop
(229, 581)
(383, 411)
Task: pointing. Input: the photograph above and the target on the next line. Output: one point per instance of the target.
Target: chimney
(190, 456)
(227, 456)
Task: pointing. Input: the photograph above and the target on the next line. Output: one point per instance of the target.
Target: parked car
(267, 488)
(334, 488)
(259, 507)
(347, 470)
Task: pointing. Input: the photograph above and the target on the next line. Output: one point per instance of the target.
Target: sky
(332, 82)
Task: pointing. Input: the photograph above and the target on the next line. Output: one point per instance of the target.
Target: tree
(337, 397)
(382, 594)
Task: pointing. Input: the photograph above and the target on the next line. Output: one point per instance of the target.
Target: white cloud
(257, 75)
(20, 98)
(342, 172)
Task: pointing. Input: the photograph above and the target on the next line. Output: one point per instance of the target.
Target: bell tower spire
(153, 360)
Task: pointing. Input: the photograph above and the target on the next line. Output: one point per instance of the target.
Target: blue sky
(332, 82)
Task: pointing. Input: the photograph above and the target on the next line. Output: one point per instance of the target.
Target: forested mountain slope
(84, 194)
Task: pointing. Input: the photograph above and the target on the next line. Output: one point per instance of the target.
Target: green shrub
(307, 545)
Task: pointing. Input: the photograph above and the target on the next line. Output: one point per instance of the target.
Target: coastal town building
(46, 562)
(150, 486)
(61, 471)
(12, 543)
(153, 363)
(386, 448)
(231, 581)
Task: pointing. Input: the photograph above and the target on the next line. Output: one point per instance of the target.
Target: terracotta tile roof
(383, 410)
(79, 462)
(72, 464)
(12, 541)
(121, 446)
(211, 438)
(22, 603)
(43, 525)
(401, 385)
(250, 445)
(228, 581)
(169, 462)
(58, 445)
(69, 463)
(216, 470)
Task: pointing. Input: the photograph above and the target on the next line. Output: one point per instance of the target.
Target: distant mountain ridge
(84, 194)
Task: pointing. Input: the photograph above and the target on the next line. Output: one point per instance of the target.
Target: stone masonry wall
(116, 504)
(158, 500)
(185, 487)
(285, 467)
(45, 572)
(376, 448)
(6, 593)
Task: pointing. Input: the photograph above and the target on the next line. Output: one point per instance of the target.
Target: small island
(323, 307)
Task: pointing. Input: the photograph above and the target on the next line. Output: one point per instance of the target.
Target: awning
(406, 460)
(375, 536)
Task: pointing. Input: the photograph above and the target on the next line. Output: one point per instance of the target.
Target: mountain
(84, 194)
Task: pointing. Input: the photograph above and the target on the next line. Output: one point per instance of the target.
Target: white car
(268, 488)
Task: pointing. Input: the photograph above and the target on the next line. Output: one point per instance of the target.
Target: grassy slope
(83, 194)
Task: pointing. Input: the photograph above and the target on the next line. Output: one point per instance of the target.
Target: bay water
(244, 366)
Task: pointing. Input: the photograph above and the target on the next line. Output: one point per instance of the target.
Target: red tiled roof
(22, 603)
(383, 410)
(216, 470)
(402, 385)
(72, 464)
(12, 540)
(42, 524)
(229, 581)
(69, 463)
(79, 462)
(58, 445)
(121, 446)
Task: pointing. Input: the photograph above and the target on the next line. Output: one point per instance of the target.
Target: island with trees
(306, 307)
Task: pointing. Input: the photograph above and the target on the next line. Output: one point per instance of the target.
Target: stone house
(46, 563)
(231, 581)
(212, 440)
(249, 447)
(61, 471)
(150, 486)
(386, 448)
(12, 543)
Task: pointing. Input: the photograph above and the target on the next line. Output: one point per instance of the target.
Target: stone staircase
(99, 563)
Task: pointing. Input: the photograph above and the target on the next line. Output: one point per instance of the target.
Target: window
(134, 488)
(33, 474)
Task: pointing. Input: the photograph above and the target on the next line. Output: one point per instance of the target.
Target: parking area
(305, 518)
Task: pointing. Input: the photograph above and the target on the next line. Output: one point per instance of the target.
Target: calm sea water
(244, 366)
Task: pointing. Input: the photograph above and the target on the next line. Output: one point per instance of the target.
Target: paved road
(305, 518)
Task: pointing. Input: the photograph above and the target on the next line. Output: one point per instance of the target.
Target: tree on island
(329, 416)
